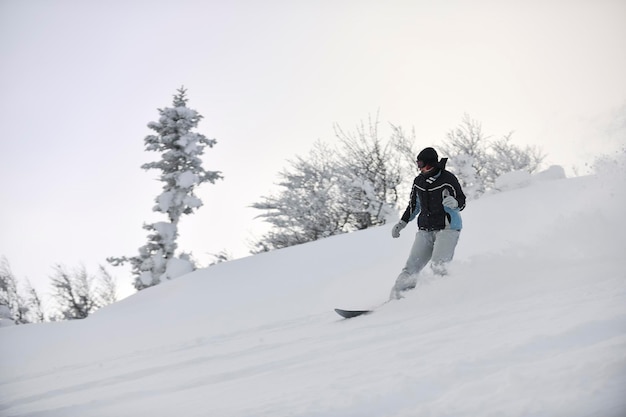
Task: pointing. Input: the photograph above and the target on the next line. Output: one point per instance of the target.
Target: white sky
(79, 81)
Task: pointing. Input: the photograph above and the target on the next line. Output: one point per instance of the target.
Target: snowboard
(348, 314)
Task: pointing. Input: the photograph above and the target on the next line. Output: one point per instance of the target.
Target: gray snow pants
(434, 246)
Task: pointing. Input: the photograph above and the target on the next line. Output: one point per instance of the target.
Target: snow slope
(531, 321)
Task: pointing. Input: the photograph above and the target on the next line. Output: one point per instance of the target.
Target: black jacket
(426, 198)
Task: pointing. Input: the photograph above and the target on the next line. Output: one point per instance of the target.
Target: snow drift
(531, 321)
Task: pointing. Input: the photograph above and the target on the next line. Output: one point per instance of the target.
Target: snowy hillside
(530, 322)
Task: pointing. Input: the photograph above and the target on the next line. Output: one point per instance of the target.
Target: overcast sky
(80, 80)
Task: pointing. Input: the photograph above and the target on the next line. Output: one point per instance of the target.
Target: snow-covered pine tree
(16, 308)
(11, 304)
(106, 291)
(78, 294)
(74, 293)
(181, 171)
(33, 304)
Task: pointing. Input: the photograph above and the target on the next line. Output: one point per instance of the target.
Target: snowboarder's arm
(413, 209)
(459, 195)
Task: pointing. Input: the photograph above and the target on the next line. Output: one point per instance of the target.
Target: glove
(450, 202)
(395, 232)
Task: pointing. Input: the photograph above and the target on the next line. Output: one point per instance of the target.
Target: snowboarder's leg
(443, 250)
(420, 254)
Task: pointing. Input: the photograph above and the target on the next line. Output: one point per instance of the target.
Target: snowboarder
(436, 200)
